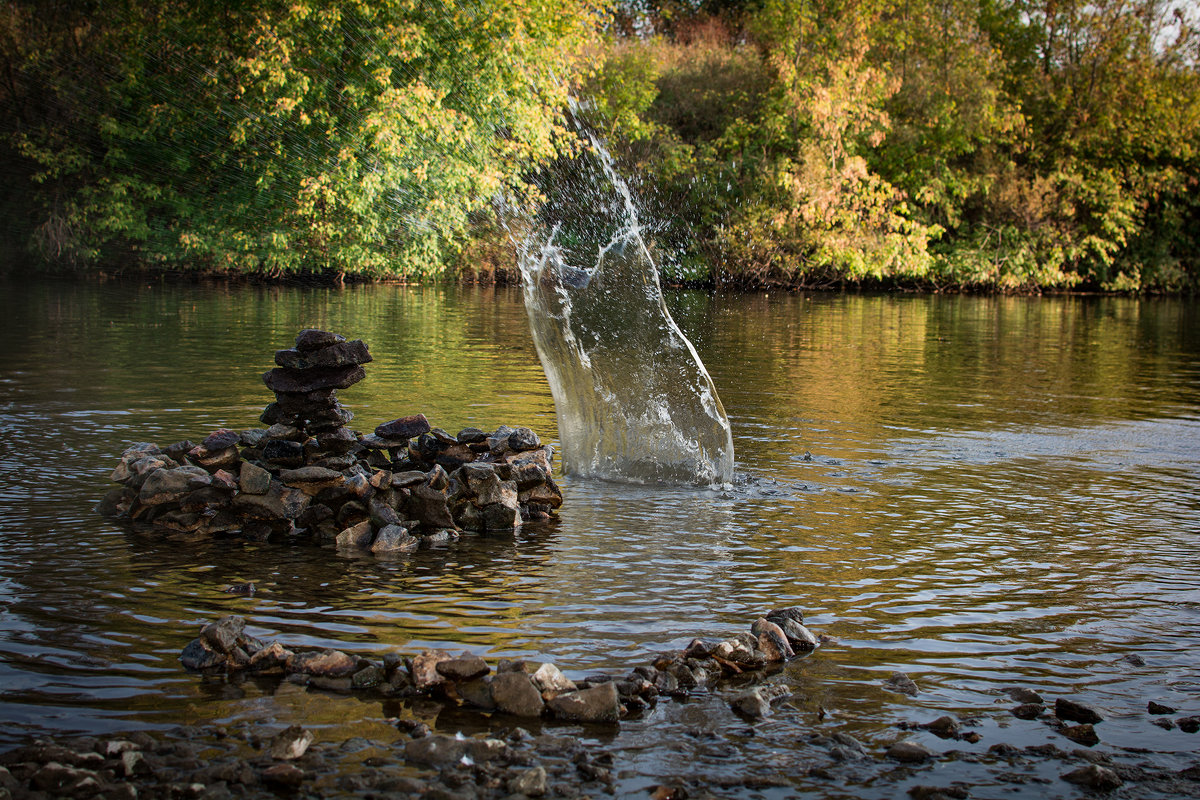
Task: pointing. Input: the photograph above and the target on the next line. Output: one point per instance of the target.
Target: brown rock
(325, 664)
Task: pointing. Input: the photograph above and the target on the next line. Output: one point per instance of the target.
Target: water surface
(980, 492)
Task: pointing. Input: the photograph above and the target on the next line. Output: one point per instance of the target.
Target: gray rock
(279, 502)
(600, 703)
(325, 664)
(1022, 695)
(910, 752)
(403, 428)
(253, 479)
(514, 693)
(478, 694)
(311, 480)
(549, 678)
(771, 640)
(311, 339)
(357, 537)
(308, 380)
(1094, 777)
(757, 702)
(471, 436)
(199, 655)
(1084, 734)
(394, 539)
(436, 750)
(169, 485)
(530, 782)
(291, 743)
(464, 668)
(944, 728)
(900, 682)
(225, 634)
(799, 637)
(522, 439)
(221, 439)
(338, 354)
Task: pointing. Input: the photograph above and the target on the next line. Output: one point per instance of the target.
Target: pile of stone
(404, 485)
(516, 687)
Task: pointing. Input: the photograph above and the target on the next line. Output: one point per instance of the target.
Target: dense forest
(1010, 145)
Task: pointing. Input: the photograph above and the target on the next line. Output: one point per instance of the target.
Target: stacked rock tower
(310, 475)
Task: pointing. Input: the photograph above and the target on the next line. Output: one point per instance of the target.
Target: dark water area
(979, 492)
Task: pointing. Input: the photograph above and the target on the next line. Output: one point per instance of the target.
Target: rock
(288, 381)
(500, 517)
(523, 438)
(771, 640)
(283, 452)
(356, 537)
(403, 428)
(944, 728)
(225, 634)
(273, 656)
(1158, 708)
(253, 479)
(910, 752)
(291, 743)
(221, 439)
(311, 339)
(799, 637)
(394, 539)
(757, 702)
(1028, 711)
(435, 750)
(325, 664)
(1083, 734)
(312, 480)
(530, 782)
(900, 682)
(1022, 695)
(498, 442)
(1076, 712)
(464, 668)
(367, 677)
(279, 502)
(1188, 724)
(471, 436)
(600, 703)
(514, 693)
(199, 655)
(338, 354)
(61, 780)
(477, 693)
(794, 613)
(169, 485)
(212, 460)
(424, 668)
(1094, 777)
(286, 776)
(549, 678)
(428, 506)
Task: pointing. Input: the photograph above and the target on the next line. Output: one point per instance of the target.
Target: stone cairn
(517, 687)
(309, 474)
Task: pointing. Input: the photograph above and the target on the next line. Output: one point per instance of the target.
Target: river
(980, 492)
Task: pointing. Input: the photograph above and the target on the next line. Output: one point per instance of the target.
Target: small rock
(1158, 708)
(465, 668)
(356, 537)
(394, 539)
(514, 693)
(311, 339)
(1095, 777)
(403, 428)
(1083, 734)
(600, 703)
(530, 782)
(291, 743)
(325, 664)
(1022, 695)
(1076, 712)
(944, 728)
(910, 752)
(1188, 724)
(435, 750)
(424, 668)
(285, 775)
(900, 682)
(549, 678)
(1028, 711)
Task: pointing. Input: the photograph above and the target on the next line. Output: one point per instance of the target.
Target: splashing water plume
(633, 399)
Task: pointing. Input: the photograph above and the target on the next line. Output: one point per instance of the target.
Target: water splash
(633, 399)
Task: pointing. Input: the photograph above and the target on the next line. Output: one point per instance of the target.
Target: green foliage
(276, 137)
(986, 144)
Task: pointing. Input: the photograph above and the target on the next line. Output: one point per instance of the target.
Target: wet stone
(1158, 708)
(311, 339)
(1083, 734)
(326, 663)
(599, 703)
(403, 428)
(1028, 710)
(1073, 711)
(1095, 777)
(900, 682)
(291, 743)
(910, 752)
(514, 693)
(465, 668)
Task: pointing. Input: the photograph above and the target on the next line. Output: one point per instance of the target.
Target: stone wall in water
(309, 475)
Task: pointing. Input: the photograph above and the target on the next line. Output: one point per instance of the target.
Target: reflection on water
(979, 492)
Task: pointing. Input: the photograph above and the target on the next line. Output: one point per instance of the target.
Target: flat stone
(312, 479)
(464, 668)
(308, 380)
(279, 502)
(283, 452)
(169, 485)
(471, 436)
(514, 693)
(1022, 695)
(325, 664)
(600, 703)
(436, 750)
(404, 428)
(910, 752)
(311, 339)
(338, 354)
(337, 440)
(899, 682)
(273, 656)
(221, 438)
(226, 458)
